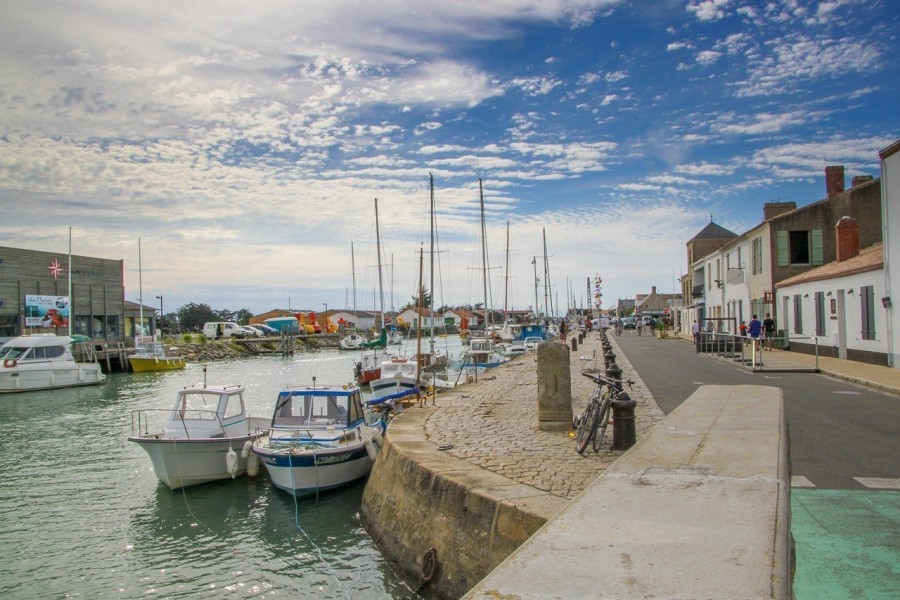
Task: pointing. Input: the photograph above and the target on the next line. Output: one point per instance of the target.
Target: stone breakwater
(462, 483)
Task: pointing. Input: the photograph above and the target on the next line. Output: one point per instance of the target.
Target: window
(739, 261)
(867, 311)
(799, 247)
(820, 313)
(756, 259)
(9, 325)
(798, 314)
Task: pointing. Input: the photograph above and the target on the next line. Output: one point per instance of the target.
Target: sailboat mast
(353, 275)
(487, 317)
(431, 304)
(378, 246)
(506, 281)
(140, 288)
(546, 277)
(71, 310)
(537, 308)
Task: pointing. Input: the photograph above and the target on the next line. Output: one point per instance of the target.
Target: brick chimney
(860, 179)
(773, 209)
(847, 237)
(834, 180)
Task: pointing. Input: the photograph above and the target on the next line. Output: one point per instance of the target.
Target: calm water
(83, 515)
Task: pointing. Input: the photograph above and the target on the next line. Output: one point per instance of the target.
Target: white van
(222, 329)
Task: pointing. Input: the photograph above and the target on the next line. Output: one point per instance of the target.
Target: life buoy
(9, 363)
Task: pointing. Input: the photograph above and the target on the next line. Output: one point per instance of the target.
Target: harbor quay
(466, 478)
(471, 498)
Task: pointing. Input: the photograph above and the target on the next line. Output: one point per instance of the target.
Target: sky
(231, 152)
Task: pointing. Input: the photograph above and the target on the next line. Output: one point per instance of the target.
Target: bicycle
(590, 425)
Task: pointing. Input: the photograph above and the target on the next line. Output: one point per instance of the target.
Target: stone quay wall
(462, 483)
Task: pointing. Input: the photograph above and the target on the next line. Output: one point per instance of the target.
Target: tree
(193, 316)
(424, 295)
(242, 316)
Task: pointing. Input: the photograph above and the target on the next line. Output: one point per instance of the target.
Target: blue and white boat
(319, 438)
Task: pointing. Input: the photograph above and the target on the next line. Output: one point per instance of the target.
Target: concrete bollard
(609, 359)
(624, 436)
(554, 387)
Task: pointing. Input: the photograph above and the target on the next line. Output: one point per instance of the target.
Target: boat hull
(23, 378)
(180, 463)
(140, 364)
(309, 472)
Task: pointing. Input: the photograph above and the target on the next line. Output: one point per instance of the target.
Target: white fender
(231, 462)
(370, 448)
(379, 439)
(253, 464)
(245, 451)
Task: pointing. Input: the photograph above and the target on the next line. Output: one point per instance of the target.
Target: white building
(838, 306)
(890, 219)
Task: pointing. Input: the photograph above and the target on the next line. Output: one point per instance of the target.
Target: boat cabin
(207, 412)
(318, 407)
(36, 348)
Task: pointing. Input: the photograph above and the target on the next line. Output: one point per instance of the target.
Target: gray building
(96, 306)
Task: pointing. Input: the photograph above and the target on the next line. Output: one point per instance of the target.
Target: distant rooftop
(714, 231)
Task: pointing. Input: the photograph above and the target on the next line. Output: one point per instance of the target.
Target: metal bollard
(614, 372)
(624, 432)
(580, 337)
(609, 359)
(574, 343)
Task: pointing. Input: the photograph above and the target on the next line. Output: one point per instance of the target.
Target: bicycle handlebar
(601, 379)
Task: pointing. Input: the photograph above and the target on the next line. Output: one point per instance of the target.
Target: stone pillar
(554, 387)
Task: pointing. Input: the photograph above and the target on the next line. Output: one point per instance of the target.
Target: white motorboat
(353, 341)
(206, 436)
(318, 439)
(397, 375)
(42, 362)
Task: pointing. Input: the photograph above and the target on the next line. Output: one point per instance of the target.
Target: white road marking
(879, 483)
(799, 481)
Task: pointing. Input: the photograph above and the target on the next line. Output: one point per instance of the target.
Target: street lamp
(326, 308)
(160, 309)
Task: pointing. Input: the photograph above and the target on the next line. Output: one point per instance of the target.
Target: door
(841, 324)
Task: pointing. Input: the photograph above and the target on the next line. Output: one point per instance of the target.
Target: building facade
(30, 278)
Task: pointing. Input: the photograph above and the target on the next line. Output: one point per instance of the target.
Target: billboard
(46, 311)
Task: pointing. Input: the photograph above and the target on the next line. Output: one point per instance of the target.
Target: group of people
(757, 330)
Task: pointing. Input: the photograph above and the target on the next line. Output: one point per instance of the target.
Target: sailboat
(353, 340)
(482, 352)
(150, 353)
(368, 369)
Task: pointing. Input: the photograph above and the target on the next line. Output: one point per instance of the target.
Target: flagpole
(69, 291)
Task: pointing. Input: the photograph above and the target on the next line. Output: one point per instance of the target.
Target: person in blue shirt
(755, 329)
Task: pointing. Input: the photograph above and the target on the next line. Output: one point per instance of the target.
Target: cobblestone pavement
(494, 423)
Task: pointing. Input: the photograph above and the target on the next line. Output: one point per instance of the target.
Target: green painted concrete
(847, 543)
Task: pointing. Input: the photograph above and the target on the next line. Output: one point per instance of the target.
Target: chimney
(834, 181)
(653, 288)
(773, 209)
(847, 237)
(860, 179)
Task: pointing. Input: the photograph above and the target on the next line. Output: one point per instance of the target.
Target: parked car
(265, 329)
(220, 329)
(251, 331)
(629, 323)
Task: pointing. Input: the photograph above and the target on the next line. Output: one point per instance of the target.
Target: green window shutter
(781, 239)
(815, 247)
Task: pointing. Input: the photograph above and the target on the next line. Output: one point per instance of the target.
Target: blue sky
(244, 143)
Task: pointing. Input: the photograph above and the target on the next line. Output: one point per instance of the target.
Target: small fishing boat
(397, 374)
(42, 362)
(319, 438)
(206, 436)
(152, 356)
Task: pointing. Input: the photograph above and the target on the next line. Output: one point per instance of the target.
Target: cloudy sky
(244, 143)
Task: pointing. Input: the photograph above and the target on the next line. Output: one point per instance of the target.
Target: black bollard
(624, 433)
(580, 337)
(574, 343)
(614, 372)
(609, 359)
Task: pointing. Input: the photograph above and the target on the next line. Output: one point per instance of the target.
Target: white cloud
(535, 86)
(704, 168)
(708, 57)
(709, 10)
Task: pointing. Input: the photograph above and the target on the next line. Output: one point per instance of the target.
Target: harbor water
(84, 515)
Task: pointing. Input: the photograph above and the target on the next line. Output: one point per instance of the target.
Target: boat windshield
(296, 408)
(16, 352)
(203, 405)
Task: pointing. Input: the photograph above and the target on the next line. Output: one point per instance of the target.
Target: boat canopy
(317, 407)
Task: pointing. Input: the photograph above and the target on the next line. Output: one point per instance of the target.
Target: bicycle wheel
(603, 418)
(587, 428)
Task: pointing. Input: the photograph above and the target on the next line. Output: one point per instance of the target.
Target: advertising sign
(46, 311)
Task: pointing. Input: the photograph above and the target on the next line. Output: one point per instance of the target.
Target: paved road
(840, 432)
(845, 502)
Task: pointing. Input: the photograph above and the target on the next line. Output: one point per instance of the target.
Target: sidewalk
(885, 379)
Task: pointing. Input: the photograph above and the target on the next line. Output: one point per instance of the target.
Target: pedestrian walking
(755, 329)
(695, 330)
(743, 328)
(768, 331)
